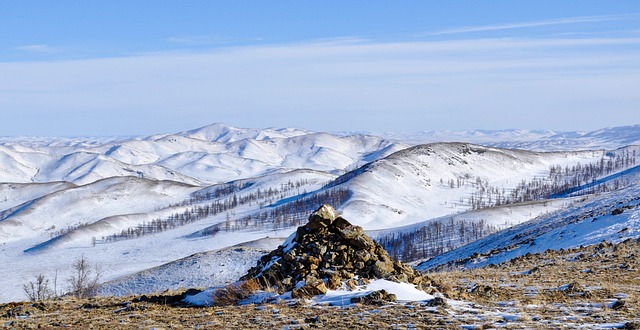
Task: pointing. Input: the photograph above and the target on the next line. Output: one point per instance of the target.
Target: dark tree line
(64, 231)
(434, 238)
(232, 188)
(205, 210)
(289, 214)
(560, 182)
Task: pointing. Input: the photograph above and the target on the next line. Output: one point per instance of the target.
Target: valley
(197, 209)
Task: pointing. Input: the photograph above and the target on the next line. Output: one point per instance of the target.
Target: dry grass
(235, 292)
(523, 293)
(600, 283)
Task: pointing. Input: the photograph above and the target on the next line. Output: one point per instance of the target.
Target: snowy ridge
(211, 154)
(536, 140)
(219, 132)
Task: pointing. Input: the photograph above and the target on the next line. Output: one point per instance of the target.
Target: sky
(105, 68)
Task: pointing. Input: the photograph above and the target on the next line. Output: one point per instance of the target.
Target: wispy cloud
(198, 40)
(341, 85)
(39, 48)
(510, 26)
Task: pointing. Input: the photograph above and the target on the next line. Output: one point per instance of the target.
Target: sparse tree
(84, 283)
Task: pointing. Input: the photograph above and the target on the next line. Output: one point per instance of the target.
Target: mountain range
(140, 206)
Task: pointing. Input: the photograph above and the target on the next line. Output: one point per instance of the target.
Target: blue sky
(143, 67)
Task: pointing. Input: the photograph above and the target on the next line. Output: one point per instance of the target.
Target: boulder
(322, 217)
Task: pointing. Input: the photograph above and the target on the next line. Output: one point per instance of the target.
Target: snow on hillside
(535, 140)
(211, 154)
(436, 236)
(423, 182)
(83, 215)
(220, 132)
(613, 216)
(15, 194)
(82, 205)
(133, 204)
(200, 270)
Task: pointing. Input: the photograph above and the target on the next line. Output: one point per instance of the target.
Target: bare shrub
(84, 283)
(38, 290)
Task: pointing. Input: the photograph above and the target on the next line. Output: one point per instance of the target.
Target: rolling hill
(138, 206)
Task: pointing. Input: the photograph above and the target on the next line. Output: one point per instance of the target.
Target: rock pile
(327, 253)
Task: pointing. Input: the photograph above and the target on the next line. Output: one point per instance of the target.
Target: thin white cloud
(40, 48)
(510, 26)
(337, 86)
(198, 40)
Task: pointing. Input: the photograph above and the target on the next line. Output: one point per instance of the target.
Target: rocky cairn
(328, 253)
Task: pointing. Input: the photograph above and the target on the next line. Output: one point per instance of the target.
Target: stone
(382, 269)
(322, 217)
(364, 242)
(400, 278)
(341, 223)
(312, 320)
(313, 260)
(288, 257)
(362, 255)
(436, 302)
(312, 287)
(379, 298)
(350, 232)
(417, 280)
(346, 274)
(333, 282)
(617, 305)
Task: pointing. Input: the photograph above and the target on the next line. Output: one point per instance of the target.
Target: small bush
(39, 289)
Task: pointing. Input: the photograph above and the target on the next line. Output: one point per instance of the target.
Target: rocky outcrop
(326, 253)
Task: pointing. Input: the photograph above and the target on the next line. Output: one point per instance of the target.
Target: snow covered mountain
(211, 154)
(434, 180)
(535, 140)
(139, 206)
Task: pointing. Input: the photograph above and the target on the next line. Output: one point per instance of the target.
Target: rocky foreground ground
(590, 287)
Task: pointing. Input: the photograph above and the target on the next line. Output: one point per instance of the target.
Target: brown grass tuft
(233, 293)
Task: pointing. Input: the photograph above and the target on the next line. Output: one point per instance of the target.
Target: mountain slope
(613, 216)
(434, 180)
(200, 270)
(74, 207)
(211, 154)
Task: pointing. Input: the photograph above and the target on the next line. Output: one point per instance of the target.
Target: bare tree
(84, 283)
(38, 290)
